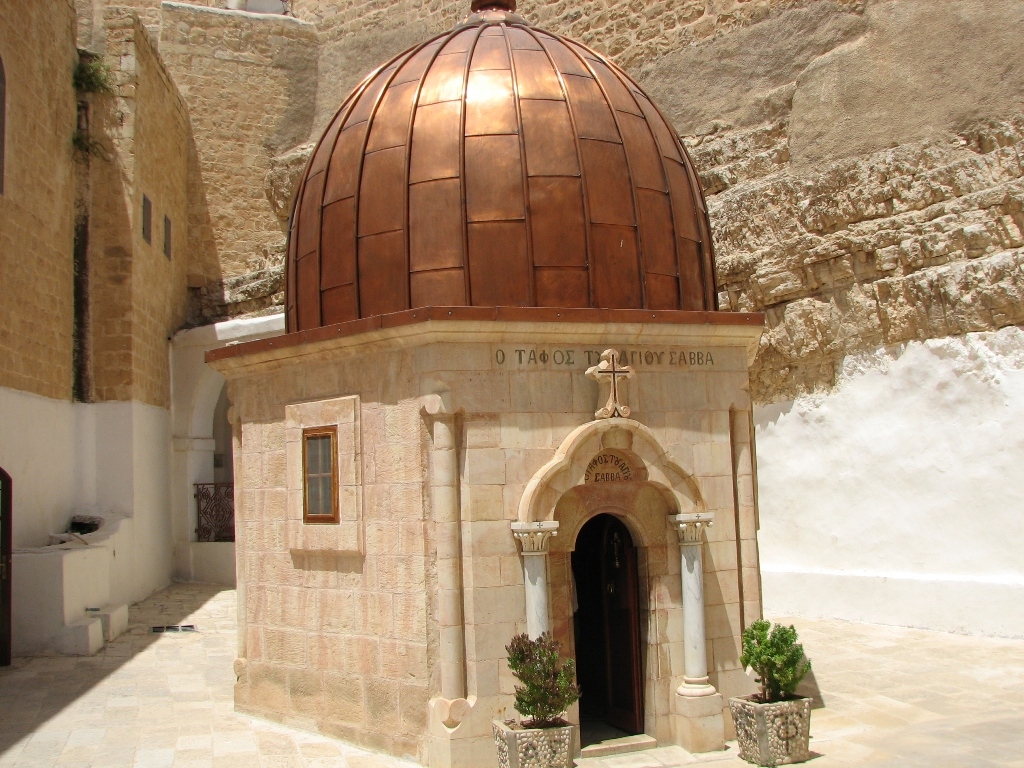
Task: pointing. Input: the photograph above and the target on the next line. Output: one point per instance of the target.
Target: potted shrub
(542, 739)
(773, 726)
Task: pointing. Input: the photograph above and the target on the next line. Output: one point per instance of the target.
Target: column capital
(438, 406)
(534, 537)
(690, 526)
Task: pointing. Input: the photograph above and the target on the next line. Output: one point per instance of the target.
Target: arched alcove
(207, 395)
(223, 459)
(568, 468)
(618, 467)
(204, 482)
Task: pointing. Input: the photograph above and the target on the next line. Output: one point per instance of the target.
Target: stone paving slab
(155, 701)
(892, 698)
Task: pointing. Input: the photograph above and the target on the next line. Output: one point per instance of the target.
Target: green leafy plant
(83, 143)
(92, 75)
(87, 146)
(548, 685)
(776, 657)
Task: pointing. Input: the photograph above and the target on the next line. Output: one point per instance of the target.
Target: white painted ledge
(961, 604)
(231, 331)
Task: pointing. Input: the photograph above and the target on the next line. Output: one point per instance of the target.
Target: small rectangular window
(147, 220)
(320, 475)
(3, 123)
(167, 237)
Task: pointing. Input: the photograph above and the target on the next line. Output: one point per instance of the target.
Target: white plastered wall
(105, 459)
(895, 498)
(38, 447)
(195, 390)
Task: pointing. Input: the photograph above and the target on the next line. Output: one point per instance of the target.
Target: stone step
(661, 757)
(80, 638)
(619, 746)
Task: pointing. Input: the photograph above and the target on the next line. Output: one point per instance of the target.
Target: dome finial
(498, 5)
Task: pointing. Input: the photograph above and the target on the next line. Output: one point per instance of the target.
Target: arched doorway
(215, 502)
(606, 621)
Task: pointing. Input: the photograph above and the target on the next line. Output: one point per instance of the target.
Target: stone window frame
(147, 219)
(348, 537)
(167, 237)
(335, 517)
(3, 123)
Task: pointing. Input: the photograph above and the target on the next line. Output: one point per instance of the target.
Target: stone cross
(608, 371)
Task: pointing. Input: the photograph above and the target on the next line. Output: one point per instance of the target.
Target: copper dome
(418, 193)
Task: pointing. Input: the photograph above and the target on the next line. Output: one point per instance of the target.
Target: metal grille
(216, 506)
(159, 630)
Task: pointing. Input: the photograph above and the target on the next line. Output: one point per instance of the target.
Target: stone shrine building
(507, 401)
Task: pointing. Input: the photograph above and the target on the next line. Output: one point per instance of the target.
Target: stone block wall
(159, 296)
(358, 35)
(336, 631)
(37, 46)
(249, 82)
(516, 415)
(137, 294)
(346, 639)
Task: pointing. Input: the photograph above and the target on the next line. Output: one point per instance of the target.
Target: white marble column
(691, 543)
(534, 538)
(700, 726)
(444, 494)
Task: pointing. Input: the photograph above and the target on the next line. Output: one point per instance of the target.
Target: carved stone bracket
(690, 527)
(609, 373)
(450, 712)
(534, 537)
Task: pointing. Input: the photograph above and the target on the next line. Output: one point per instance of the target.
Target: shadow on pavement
(34, 690)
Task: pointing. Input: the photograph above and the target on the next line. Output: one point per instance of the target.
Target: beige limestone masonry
(249, 81)
(37, 45)
(162, 136)
(360, 34)
(137, 294)
(348, 641)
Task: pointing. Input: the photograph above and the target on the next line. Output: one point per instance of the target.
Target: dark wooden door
(6, 535)
(622, 629)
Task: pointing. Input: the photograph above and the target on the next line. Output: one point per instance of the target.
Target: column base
(466, 742)
(695, 688)
(699, 722)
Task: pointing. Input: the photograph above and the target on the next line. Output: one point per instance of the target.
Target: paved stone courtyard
(893, 698)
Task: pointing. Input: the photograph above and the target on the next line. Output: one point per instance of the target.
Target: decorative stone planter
(772, 734)
(520, 747)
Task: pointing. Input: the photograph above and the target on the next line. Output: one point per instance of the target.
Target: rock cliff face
(917, 242)
(864, 172)
(862, 164)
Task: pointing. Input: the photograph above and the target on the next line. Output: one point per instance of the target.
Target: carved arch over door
(569, 465)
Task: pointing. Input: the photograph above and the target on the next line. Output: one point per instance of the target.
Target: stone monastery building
(424, 324)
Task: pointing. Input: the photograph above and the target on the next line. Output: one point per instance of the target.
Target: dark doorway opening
(607, 626)
(6, 550)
